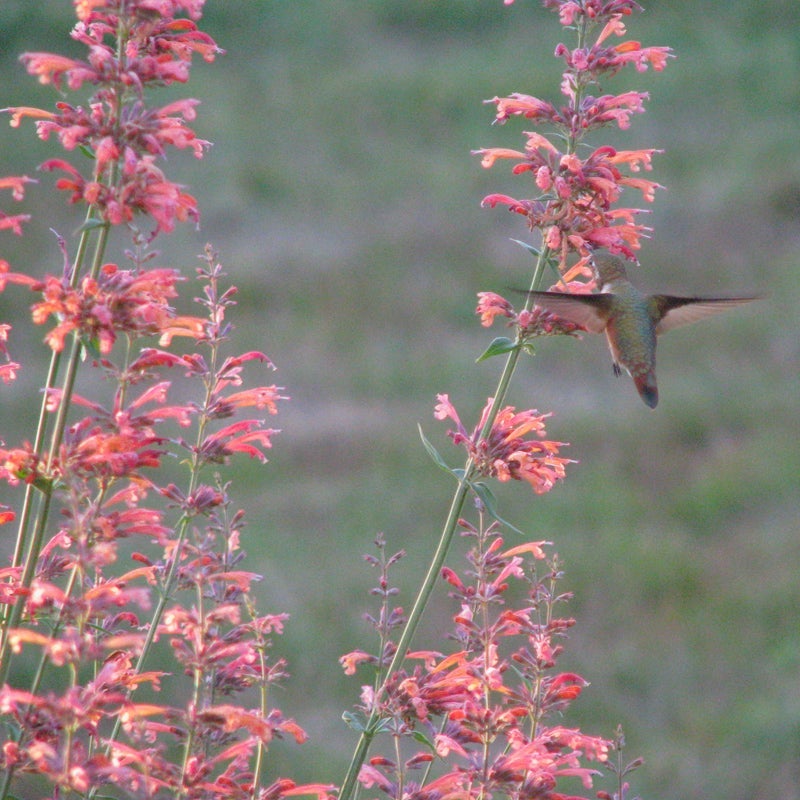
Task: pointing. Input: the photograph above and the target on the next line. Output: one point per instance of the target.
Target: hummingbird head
(609, 268)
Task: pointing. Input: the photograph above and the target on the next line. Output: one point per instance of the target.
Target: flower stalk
(573, 213)
(91, 721)
(92, 476)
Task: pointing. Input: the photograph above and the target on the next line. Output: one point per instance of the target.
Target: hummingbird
(630, 319)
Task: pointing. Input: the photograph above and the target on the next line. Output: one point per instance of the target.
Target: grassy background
(343, 199)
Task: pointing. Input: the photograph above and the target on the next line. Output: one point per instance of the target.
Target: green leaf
(383, 725)
(91, 224)
(423, 739)
(432, 451)
(534, 251)
(486, 497)
(500, 345)
(437, 459)
(553, 264)
(355, 721)
(358, 722)
(90, 348)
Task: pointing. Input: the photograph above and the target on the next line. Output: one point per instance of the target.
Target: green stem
(197, 701)
(437, 562)
(264, 708)
(56, 438)
(181, 528)
(30, 489)
(41, 425)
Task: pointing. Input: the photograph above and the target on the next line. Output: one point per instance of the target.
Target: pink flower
(246, 436)
(491, 305)
(351, 661)
(130, 301)
(17, 185)
(570, 10)
(573, 208)
(612, 108)
(124, 135)
(634, 53)
(530, 323)
(51, 68)
(524, 105)
(505, 453)
(260, 397)
(8, 371)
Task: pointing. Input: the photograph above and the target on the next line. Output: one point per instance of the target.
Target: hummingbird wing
(588, 310)
(672, 312)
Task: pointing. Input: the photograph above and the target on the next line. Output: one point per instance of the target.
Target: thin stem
(437, 562)
(50, 382)
(41, 424)
(263, 694)
(56, 438)
(181, 528)
(198, 700)
(11, 616)
(38, 442)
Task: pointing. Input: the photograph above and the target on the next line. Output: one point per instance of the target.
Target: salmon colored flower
(134, 302)
(193, 327)
(322, 791)
(577, 194)
(351, 661)
(505, 453)
(51, 68)
(574, 208)
(22, 464)
(526, 106)
(124, 135)
(13, 222)
(533, 322)
(491, 305)
(246, 436)
(476, 704)
(17, 184)
(596, 10)
(259, 397)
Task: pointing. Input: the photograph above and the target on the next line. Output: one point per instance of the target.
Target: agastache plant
(477, 715)
(482, 713)
(81, 707)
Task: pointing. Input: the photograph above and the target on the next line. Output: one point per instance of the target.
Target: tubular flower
(573, 208)
(134, 302)
(13, 222)
(124, 135)
(476, 704)
(505, 454)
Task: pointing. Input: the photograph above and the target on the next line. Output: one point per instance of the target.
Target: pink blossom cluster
(574, 208)
(476, 722)
(125, 136)
(111, 554)
(505, 453)
(537, 321)
(83, 607)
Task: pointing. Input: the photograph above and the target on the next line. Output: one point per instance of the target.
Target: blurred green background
(343, 199)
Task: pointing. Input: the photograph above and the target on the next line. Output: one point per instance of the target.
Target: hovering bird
(630, 319)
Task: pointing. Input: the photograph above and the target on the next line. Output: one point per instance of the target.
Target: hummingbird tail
(647, 388)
